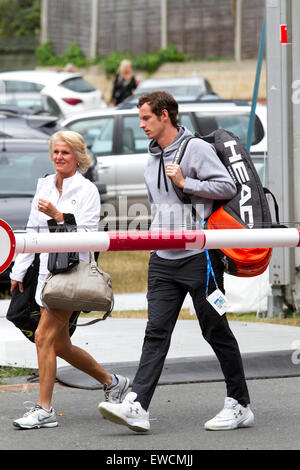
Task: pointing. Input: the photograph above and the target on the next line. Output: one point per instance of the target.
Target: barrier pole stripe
(154, 240)
(12, 241)
(299, 236)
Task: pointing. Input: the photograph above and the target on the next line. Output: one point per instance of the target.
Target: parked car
(184, 90)
(24, 123)
(58, 93)
(120, 145)
(22, 162)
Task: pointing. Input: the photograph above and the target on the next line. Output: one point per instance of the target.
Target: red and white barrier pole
(145, 240)
(11, 243)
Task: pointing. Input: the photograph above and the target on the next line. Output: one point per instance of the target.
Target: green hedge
(74, 55)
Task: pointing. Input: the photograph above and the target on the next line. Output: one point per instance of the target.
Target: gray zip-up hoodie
(206, 180)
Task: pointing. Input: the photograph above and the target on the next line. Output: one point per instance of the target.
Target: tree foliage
(19, 18)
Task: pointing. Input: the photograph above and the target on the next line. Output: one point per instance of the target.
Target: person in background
(124, 83)
(63, 195)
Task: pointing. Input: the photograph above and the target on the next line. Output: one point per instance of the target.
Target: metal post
(163, 23)
(94, 28)
(256, 85)
(238, 18)
(294, 37)
(44, 21)
(279, 146)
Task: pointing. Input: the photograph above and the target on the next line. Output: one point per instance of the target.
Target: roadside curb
(23, 387)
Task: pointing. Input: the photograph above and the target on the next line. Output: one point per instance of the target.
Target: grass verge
(186, 315)
(7, 372)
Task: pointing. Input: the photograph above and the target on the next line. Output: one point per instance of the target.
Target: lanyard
(209, 271)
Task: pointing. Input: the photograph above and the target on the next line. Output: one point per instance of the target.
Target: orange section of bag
(259, 268)
(220, 219)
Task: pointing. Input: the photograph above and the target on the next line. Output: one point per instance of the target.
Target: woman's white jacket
(79, 197)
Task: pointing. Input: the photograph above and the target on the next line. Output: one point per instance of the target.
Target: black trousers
(168, 283)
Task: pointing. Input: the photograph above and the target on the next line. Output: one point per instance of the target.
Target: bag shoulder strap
(177, 159)
(276, 208)
(181, 149)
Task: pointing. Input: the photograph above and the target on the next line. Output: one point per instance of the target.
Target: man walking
(174, 273)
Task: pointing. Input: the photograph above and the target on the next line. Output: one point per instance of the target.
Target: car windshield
(20, 170)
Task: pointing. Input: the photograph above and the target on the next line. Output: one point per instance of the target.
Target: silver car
(114, 135)
(184, 90)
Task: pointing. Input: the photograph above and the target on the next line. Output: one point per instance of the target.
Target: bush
(112, 61)
(147, 62)
(46, 56)
(74, 55)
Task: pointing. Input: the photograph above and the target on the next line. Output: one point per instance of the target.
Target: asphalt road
(177, 415)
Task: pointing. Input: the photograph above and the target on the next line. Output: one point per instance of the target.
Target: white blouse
(79, 197)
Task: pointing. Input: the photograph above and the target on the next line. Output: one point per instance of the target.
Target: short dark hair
(159, 100)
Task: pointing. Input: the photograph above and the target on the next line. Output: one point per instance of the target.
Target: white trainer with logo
(232, 416)
(36, 417)
(128, 413)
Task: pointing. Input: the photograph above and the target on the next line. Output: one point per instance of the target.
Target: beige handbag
(83, 288)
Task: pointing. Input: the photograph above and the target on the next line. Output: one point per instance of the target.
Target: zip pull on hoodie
(162, 166)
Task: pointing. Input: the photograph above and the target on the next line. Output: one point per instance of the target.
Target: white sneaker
(117, 393)
(36, 417)
(129, 413)
(232, 416)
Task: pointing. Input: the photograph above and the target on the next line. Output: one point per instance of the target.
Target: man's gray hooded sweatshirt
(206, 180)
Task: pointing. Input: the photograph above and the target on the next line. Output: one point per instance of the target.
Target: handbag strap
(107, 314)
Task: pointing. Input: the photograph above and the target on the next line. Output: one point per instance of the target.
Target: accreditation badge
(219, 302)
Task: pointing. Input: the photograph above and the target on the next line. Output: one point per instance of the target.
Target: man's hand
(173, 171)
(49, 209)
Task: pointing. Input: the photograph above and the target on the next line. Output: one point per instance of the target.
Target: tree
(19, 18)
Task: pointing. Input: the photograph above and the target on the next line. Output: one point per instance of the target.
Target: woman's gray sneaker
(36, 417)
(117, 393)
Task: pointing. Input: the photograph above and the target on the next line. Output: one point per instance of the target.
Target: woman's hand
(14, 284)
(173, 171)
(49, 209)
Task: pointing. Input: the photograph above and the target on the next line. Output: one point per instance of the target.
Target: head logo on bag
(248, 209)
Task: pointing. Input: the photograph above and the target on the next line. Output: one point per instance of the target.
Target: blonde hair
(76, 141)
(123, 65)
